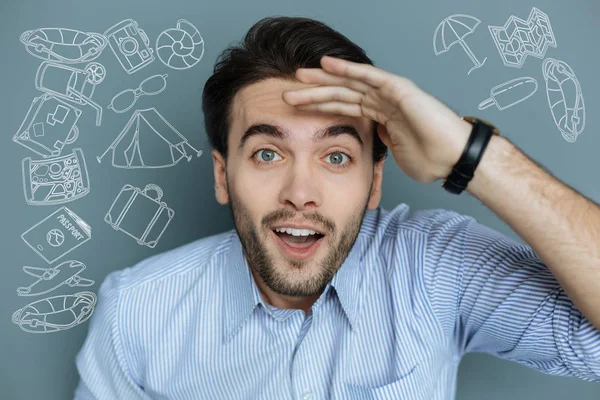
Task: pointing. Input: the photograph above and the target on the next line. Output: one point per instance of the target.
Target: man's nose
(302, 187)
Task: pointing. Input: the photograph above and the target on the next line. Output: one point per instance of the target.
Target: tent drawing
(149, 141)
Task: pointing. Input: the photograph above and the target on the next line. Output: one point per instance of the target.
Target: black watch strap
(464, 169)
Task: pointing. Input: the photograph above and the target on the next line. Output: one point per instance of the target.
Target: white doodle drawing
(519, 38)
(55, 314)
(151, 86)
(130, 45)
(49, 279)
(55, 180)
(63, 45)
(140, 215)
(71, 84)
(510, 93)
(181, 47)
(565, 98)
(49, 125)
(148, 141)
(453, 30)
(57, 235)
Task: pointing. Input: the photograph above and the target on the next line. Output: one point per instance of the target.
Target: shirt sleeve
(101, 362)
(494, 295)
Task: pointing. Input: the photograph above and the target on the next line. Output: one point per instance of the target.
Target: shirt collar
(242, 294)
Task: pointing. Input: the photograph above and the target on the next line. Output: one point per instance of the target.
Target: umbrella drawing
(453, 30)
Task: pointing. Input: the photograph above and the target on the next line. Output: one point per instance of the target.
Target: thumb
(384, 135)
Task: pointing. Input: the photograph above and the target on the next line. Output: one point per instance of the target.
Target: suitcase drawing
(140, 214)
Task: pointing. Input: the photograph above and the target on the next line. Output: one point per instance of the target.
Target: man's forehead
(265, 97)
(262, 103)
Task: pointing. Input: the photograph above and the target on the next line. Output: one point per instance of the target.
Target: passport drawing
(57, 235)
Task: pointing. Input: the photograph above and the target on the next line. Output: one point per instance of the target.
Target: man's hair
(274, 47)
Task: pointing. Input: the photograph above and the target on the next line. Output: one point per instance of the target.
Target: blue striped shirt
(414, 295)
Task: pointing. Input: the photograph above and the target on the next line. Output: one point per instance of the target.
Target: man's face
(273, 182)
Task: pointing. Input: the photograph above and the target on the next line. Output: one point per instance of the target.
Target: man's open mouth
(299, 242)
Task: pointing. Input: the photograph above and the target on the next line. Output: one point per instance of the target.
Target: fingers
(321, 77)
(322, 94)
(349, 109)
(341, 108)
(362, 72)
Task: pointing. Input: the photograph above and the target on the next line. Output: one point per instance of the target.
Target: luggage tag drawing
(57, 235)
(151, 86)
(565, 98)
(130, 45)
(181, 47)
(55, 314)
(519, 38)
(71, 84)
(55, 180)
(49, 279)
(138, 214)
(510, 93)
(49, 125)
(63, 45)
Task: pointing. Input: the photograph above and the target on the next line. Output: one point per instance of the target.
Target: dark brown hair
(274, 47)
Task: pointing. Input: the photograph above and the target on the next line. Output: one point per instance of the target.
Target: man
(320, 293)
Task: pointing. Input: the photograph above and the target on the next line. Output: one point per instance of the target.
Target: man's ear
(219, 166)
(375, 196)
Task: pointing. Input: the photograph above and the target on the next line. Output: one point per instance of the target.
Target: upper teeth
(296, 232)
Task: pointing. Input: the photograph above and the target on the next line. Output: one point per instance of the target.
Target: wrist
(491, 166)
(464, 169)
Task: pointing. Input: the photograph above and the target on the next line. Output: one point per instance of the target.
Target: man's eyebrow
(276, 132)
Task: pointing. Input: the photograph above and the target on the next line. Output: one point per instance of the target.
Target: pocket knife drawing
(65, 273)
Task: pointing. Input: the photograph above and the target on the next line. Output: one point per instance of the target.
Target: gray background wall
(397, 35)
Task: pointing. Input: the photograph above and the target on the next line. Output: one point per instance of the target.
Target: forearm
(560, 225)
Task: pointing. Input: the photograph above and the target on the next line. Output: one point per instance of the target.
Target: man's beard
(340, 242)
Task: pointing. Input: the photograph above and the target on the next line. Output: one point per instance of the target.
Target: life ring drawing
(181, 47)
(56, 313)
(68, 46)
(565, 98)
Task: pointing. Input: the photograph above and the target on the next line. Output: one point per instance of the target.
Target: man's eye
(337, 157)
(268, 155)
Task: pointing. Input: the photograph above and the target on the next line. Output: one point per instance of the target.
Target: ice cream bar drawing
(510, 93)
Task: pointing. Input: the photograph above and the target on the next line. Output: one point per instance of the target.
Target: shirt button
(307, 395)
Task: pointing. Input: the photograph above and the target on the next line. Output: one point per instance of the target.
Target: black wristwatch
(464, 169)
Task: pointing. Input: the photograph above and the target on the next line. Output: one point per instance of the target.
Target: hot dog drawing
(510, 93)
